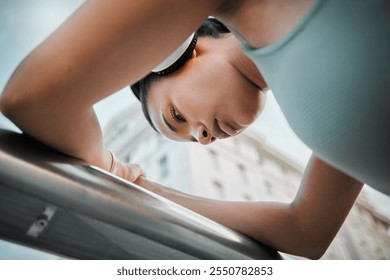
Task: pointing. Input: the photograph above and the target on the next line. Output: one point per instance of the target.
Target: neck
(239, 16)
(243, 64)
(230, 48)
(262, 22)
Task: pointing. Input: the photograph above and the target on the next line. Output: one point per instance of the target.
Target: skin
(215, 95)
(97, 52)
(304, 227)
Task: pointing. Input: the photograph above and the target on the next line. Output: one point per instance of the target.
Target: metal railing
(58, 204)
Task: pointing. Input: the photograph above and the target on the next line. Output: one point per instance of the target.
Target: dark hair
(210, 28)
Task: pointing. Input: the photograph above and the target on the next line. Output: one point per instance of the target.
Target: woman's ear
(194, 53)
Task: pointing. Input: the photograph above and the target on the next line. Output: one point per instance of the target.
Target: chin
(252, 116)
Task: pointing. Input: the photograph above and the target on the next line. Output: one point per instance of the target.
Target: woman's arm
(103, 47)
(304, 227)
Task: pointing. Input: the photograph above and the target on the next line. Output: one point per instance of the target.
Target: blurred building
(240, 168)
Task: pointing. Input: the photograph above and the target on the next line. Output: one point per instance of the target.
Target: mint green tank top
(331, 77)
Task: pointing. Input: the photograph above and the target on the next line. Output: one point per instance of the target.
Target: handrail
(56, 203)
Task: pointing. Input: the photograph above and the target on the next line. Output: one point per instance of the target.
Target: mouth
(222, 131)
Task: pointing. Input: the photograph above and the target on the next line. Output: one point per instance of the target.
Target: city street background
(24, 24)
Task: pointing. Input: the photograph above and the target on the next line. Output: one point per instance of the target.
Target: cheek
(195, 106)
(216, 92)
(196, 100)
(244, 103)
(247, 112)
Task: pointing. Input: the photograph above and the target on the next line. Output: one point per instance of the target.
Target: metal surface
(57, 204)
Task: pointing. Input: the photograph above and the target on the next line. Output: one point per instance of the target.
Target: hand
(161, 190)
(149, 185)
(130, 172)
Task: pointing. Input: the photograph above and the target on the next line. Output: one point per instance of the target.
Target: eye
(176, 116)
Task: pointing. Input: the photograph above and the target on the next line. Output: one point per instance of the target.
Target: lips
(219, 132)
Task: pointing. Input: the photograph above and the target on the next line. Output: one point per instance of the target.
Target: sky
(24, 24)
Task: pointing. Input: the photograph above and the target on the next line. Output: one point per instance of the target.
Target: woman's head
(215, 94)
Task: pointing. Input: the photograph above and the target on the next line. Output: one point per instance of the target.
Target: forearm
(100, 49)
(304, 227)
(273, 224)
(57, 123)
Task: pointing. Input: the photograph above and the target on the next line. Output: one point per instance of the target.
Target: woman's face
(210, 97)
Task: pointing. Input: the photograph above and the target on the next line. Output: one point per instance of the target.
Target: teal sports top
(331, 77)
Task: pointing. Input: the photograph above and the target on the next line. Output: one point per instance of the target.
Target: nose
(204, 136)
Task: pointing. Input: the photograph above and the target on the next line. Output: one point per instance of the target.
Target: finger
(142, 172)
(133, 172)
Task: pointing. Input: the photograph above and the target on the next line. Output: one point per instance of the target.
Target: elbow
(17, 102)
(311, 248)
(305, 250)
(308, 240)
(315, 254)
(320, 245)
(9, 104)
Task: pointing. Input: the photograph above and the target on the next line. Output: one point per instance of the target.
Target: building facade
(242, 168)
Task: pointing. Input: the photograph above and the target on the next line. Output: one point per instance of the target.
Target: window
(260, 158)
(127, 158)
(268, 186)
(218, 189)
(160, 139)
(243, 172)
(214, 157)
(237, 144)
(164, 169)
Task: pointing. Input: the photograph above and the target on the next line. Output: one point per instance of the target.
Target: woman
(214, 73)
(326, 62)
